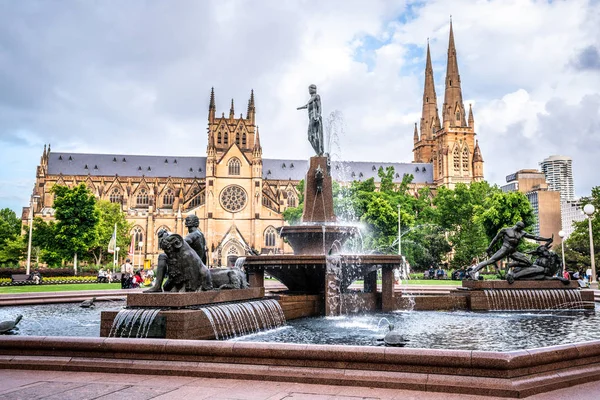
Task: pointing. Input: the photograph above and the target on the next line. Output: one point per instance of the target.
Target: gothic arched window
(168, 198)
(270, 237)
(138, 234)
(243, 139)
(457, 116)
(465, 159)
(237, 138)
(456, 159)
(142, 199)
(234, 166)
(226, 139)
(291, 199)
(440, 166)
(115, 196)
(219, 138)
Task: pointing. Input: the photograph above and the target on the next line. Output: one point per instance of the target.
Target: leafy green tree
(10, 225)
(44, 238)
(458, 210)
(109, 214)
(76, 219)
(13, 250)
(505, 209)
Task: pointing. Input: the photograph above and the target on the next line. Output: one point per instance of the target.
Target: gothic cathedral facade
(448, 144)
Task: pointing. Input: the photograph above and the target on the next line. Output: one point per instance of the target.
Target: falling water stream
(235, 319)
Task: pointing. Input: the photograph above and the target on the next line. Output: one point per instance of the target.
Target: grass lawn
(59, 288)
(436, 282)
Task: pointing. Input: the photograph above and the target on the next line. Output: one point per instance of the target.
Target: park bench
(20, 278)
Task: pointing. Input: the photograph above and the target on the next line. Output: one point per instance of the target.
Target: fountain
(317, 268)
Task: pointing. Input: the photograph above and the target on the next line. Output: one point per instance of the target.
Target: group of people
(131, 279)
(582, 278)
(438, 273)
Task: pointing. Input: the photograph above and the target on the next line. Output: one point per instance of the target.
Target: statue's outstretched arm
(312, 98)
(538, 238)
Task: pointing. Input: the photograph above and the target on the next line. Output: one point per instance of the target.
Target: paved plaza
(49, 385)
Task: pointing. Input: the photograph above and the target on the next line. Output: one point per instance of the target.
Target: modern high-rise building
(571, 211)
(559, 175)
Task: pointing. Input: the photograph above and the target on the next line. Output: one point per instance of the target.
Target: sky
(134, 77)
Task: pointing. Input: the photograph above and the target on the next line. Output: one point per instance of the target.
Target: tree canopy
(76, 219)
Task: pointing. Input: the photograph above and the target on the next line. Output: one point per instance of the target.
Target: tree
(505, 209)
(44, 238)
(109, 214)
(13, 250)
(76, 219)
(10, 225)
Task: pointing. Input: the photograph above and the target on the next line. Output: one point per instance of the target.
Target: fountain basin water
(317, 239)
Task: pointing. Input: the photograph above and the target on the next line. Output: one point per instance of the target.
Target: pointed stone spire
(257, 140)
(429, 116)
(454, 109)
(212, 109)
(471, 119)
(251, 115)
(477, 157)
(232, 111)
(416, 135)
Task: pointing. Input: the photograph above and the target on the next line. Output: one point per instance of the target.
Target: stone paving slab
(52, 385)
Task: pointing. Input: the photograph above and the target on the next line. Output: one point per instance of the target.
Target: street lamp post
(399, 232)
(32, 204)
(116, 258)
(589, 210)
(140, 245)
(562, 235)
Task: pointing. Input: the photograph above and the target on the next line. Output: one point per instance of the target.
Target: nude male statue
(315, 121)
(511, 237)
(195, 238)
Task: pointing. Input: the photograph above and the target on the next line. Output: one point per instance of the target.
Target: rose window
(233, 198)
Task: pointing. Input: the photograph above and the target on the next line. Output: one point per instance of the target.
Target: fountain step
(550, 284)
(158, 300)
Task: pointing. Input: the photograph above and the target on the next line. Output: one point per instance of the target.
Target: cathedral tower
(450, 146)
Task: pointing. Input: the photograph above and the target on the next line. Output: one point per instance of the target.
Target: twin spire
(453, 111)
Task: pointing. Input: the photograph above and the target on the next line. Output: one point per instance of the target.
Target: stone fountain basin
(306, 273)
(317, 239)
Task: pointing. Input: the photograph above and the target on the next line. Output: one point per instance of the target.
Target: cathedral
(239, 196)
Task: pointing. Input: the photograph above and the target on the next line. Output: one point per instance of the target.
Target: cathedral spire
(232, 111)
(471, 119)
(454, 109)
(212, 109)
(416, 135)
(429, 115)
(251, 114)
(257, 149)
(477, 157)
